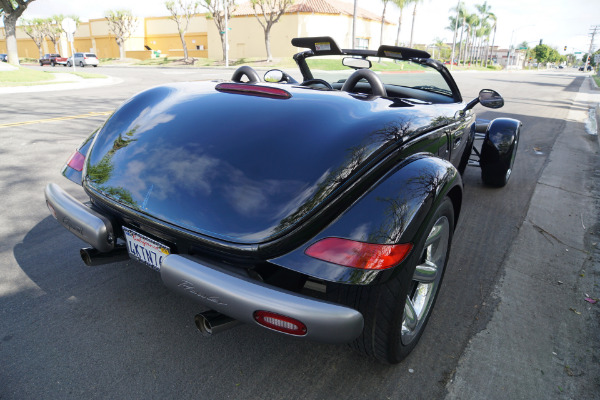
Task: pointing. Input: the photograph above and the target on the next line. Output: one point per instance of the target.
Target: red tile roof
(315, 6)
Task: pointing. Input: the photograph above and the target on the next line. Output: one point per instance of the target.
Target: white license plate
(144, 249)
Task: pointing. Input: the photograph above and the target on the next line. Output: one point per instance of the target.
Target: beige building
(246, 36)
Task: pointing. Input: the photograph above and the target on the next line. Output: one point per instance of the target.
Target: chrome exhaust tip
(211, 322)
(92, 257)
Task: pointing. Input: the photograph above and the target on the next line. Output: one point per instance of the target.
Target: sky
(558, 23)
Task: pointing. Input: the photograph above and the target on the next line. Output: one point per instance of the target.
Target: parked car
(4, 57)
(83, 59)
(49, 59)
(323, 209)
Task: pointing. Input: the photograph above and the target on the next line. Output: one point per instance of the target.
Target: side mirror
(274, 76)
(278, 76)
(490, 98)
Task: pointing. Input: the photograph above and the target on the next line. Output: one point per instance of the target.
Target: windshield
(398, 76)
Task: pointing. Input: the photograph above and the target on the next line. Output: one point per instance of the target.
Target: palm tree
(494, 25)
(484, 13)
(455, 22)
(385, 3)
(400, 4)
(441, 45)
(483, 32)
(474, 24)
(468, 22)
(412, 29)
(463, 24)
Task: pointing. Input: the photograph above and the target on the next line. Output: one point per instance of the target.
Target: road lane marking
(41, 121)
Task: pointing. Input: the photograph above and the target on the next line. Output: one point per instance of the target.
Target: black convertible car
(322, 209)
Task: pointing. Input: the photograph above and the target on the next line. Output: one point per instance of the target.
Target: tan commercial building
(246, 36)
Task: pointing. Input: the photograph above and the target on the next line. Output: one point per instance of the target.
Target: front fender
(500, 142)
(394, 210)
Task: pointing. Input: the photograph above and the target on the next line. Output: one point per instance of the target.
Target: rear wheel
(81, 64)
(396, 312)
(68, 63)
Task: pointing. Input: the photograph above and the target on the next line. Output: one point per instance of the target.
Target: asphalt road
(70, 331)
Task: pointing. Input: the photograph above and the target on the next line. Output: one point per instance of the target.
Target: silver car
(83, 59)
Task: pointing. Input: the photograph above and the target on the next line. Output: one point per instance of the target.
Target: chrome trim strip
(82, 221)
(239, 297)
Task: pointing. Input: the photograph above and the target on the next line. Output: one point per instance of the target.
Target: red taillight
(280, 323)
(253, 90)
(354, 254)
(76, 161)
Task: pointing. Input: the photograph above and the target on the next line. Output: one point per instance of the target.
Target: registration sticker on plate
(144, 249)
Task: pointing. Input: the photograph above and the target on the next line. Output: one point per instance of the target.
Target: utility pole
(593, 30)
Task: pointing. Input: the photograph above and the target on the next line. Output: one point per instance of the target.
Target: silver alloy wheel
(426, 280)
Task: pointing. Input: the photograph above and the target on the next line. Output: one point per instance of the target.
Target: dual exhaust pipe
(208, 323)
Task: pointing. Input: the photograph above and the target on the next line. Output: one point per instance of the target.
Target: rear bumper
(239, 297)
(82, 221)
(231, 294)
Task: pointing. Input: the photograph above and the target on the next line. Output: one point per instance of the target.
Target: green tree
(181, 12)
(270, 13)
(456, 22)
(541, 52)
(400, 4)
(217, 10)
(484, 28)
(412, 28)
(53, 30)
(122, 24)
(11, 11)
(494, 21)
(385, 3)
(34, 28)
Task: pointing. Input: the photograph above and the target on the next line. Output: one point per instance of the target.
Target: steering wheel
(323, 82)
(376, 85)
(246, 71)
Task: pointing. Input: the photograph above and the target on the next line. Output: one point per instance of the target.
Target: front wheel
(68, 63)
(81, 64)
(396, 312)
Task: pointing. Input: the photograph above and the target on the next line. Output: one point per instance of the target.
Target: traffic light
(565, 48)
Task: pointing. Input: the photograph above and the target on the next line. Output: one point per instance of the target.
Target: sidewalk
(542, 341)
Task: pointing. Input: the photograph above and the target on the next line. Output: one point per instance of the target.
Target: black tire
(53, 64)
(81, 64)
(68, 63)
(41, 64)
(95, 65)
(387, 335)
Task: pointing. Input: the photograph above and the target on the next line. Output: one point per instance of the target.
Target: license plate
(144, 249)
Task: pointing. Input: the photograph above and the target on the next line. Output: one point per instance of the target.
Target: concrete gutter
(542, 340)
